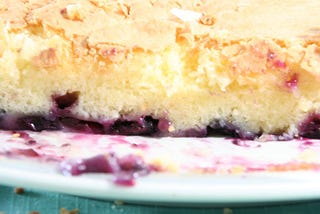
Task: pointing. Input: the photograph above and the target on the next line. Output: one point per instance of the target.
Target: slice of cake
(161, 68)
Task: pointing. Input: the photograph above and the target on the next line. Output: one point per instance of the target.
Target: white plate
(230, 184)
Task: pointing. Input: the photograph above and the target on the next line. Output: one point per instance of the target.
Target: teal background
(50, 203)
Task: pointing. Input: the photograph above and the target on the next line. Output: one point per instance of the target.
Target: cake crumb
(171, 128)
(46, 59)
(72, 12)
(65, 211)
(227, 211)
(125, 9)
(207, 20)
(237, 170)
(18, 190)
(117, 202)
(16, 135)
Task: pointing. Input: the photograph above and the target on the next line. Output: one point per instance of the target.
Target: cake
(161, 68)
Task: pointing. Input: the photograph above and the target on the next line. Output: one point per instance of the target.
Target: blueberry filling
(310, 127)
(62, 118)
(229, 129)
(26, 137)
(2, 112)
(76, 125)
(37, 123)
(143, 126)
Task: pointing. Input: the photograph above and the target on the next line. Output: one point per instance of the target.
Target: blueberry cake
(161, 68)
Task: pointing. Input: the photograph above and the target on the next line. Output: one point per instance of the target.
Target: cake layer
(251, 67)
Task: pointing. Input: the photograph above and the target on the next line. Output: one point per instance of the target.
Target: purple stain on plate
(99, 163)
(124, 178)
(133, 164)
(142, 146)
(25, 152)
(306, 144)
(25, 136)
(124, 169)
(245, 143)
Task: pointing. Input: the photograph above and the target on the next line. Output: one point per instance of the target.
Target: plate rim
(187, 189)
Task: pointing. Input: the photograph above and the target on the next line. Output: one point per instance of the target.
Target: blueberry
(142, 126)
(37, 123)
(310, 127)
(67, 100)
(227, 128)
(82, 125)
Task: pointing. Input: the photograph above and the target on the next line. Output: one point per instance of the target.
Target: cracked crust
(152, 25)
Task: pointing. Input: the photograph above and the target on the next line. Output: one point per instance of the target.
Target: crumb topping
(72, 12)
(207, 20)
(153, 26)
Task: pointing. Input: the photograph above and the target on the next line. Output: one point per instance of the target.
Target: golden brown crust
(153, 25)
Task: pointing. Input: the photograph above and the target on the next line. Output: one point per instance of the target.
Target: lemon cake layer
(164, 68)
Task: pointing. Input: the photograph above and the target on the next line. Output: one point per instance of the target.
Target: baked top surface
(153, 24)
